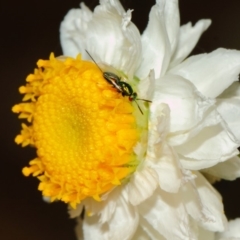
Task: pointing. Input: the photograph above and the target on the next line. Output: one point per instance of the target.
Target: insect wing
(113, 79)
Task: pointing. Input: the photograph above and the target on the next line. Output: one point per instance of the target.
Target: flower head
(136, 167)
(74, 114)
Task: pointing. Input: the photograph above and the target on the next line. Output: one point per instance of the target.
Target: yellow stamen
(83, 129)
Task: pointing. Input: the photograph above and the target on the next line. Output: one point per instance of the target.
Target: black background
(29, 30)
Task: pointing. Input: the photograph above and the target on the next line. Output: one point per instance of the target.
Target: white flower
(193, 124)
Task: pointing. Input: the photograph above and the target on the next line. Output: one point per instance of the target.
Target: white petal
(72, 30)
(159, 40)
(186, 104)
(160, 156)
(211, 73)
(121, 224)
(46, 199)
(206, 235)
(212, 145)
(93, 229)
(149, 230)
(155, 44)
(159, 123)
(158, 129)
(120, 44)
(172, 21)
(188, 38)
(167, 215)
(229, 108)
(106, 207)
(204, 204)
(146, 87)
(111, 6)
(142, 185)
(124, 221)
(233, 232)
(79, 229)
(209, 118)
(229, 170)
(168, 169)
(232, 92)
(75, 212)
(140, 234)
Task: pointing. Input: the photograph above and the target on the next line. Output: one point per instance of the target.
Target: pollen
(83, 129)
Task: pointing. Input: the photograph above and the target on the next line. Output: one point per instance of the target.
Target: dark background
(29, 31)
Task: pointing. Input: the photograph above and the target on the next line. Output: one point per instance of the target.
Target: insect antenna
(138, 107)
(93, 60)
(145, 100)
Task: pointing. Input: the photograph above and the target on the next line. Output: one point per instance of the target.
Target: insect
(124, 88)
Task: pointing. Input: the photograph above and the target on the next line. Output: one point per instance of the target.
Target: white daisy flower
(125, 140)
(193, 121)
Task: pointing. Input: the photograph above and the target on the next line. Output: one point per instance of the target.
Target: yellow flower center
(83, 128)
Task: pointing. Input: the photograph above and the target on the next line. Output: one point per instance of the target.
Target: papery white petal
(211, 73)
(168, 170)
(172, 21)
(194, 204)
(186, 104)
(120, 44)
(119, 224)
(204, 234)
(204, 204)
(124, 221)
(46, 199)
(146, 87)
(160, 156)
(149, 230)
(72, 30)
(155, 44)
(166, 214)
(107, 206)
(158, 129)
(188, 38)
(75, 212)
(229, 170)
(93, 229)
(160, 120)
(132, 45)
(232, 92)
(212, 145)
(142, 185)
(140, 234)
(113, 6)
(228, 106)
(233, 232)
(209, 118)
(79, 229)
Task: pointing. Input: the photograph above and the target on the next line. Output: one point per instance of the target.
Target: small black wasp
(124, 88)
